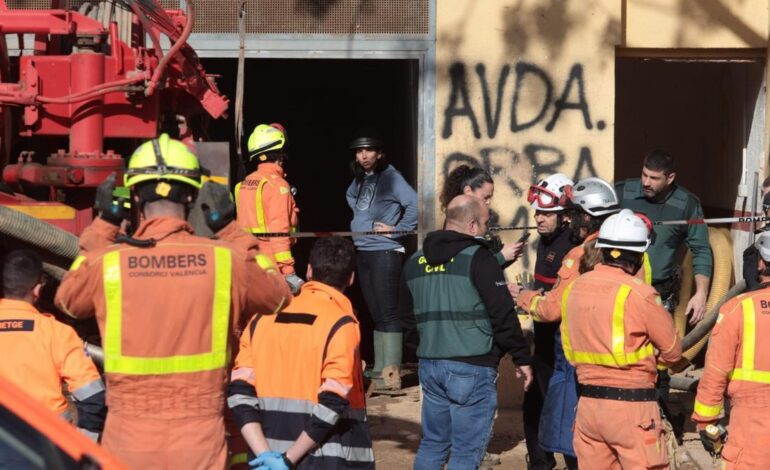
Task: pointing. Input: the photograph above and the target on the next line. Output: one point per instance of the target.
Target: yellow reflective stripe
(647, 269)
(749, 334)
(283, 256)
(237, 192)
(220, 323)
(758, 376)
(566, 344)
(533, 305)
(618, 329)
(264, 262)
(78, 261)
(261, 226)
(239, 458)
(113, 298)
(618, 357)
(707, 411)
(746, 372)
(611, 360)
(116, 362)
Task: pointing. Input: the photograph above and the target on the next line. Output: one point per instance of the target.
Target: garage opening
(702, 111)
(322, 103)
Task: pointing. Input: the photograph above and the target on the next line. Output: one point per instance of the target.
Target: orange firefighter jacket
(546, 307)
(165, 314)
(40, 352)
(611, 325)
(738, 359)
(265, 204)
(302, 370)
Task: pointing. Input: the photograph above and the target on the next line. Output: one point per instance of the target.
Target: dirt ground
(395, 425)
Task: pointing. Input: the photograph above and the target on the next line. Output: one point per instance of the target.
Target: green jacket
(679, 204)
(450, 314)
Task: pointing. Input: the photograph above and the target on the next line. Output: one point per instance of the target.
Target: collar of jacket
(616, 270)
(319, 288)
(161, 227)
(270, 168)
(14, 304)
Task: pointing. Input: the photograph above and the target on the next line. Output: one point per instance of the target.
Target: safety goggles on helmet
(545, 198)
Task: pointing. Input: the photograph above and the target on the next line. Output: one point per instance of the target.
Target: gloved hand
(295, 282)
(218, 208)
(713, 441)
(108, 209)
(271, 461)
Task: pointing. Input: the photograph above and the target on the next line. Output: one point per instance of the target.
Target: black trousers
(379, 275)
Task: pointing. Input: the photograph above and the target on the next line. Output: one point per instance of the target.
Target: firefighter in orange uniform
(39, 353)
(738, 364)
(297, 388)
(265, 200)
(612, 325)
(165, 301)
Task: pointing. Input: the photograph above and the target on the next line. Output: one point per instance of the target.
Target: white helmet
(627, 231)
(595, 196)
(763, 245)
(547, 194)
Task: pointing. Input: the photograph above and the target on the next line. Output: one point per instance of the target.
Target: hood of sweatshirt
(442, 245)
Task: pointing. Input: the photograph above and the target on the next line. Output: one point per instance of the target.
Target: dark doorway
(322, 103)
(699, 110)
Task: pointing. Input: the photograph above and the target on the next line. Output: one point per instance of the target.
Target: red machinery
(90, 92)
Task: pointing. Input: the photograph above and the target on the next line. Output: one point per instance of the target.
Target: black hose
(38, 233)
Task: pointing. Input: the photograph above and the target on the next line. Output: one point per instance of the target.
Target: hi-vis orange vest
(309, 348)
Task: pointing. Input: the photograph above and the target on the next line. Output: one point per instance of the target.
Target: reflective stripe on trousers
(116, 362)
(618, 357)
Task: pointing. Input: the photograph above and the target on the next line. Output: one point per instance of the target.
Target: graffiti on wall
(500, 117)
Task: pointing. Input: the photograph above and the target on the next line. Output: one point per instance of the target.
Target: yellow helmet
(166, 159)
(264, 139)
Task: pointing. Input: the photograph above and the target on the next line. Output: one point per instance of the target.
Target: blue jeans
(458, 408)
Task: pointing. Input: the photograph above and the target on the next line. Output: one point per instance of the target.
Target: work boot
(539, 465)
(376, 369)
(390, 377)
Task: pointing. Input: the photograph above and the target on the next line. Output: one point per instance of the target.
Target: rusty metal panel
(397, 18)
(389, 18)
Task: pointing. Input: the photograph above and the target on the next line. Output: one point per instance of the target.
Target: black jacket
(488, 279)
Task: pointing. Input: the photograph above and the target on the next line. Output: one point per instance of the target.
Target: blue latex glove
(269, 461)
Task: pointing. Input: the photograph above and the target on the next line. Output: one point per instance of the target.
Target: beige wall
(525, 89)
(696, 23)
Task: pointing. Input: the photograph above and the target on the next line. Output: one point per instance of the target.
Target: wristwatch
(288, 462)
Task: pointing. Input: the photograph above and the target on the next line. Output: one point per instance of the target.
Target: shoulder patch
(283, 190)
(637, 280)
(658, 301)
(569, 262)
